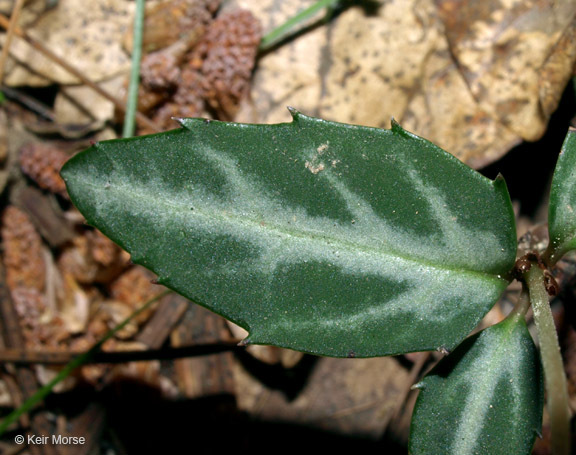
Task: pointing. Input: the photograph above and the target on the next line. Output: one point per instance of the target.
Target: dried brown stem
(9, 34)
(24, 356)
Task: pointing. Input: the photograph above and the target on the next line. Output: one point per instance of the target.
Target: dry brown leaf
(502, 47)
(84, 109)
(32, 10)
(91, 258)
(354, 397)
(134, 288)
(365, 67)
(88, 37)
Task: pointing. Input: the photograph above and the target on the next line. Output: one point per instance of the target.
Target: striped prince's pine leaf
(483, 399)
(323, 237)
(562, 209)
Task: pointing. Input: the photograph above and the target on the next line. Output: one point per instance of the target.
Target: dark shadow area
(289, 381)
(528, 167)
(143, 422)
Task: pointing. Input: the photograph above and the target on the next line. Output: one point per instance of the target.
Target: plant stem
(132, 101)
(522, 305)
(280, 32)
(42, 392)
(554, 375)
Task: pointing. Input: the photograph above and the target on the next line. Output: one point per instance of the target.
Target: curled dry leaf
(74, 308)
(40, 326)
(42, 163)
(117, 312)
(133, 288)
(92, 257)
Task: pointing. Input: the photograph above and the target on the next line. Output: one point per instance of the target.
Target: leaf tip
(499, 178)
(499, 183)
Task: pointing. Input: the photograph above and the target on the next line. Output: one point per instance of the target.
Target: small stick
(25, 356)
(9, 34)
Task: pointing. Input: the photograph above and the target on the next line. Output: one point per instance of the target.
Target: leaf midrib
(281, 229)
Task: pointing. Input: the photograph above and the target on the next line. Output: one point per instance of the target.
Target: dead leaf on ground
(89, 37)
(395, 59)
(516, 57)
(81, 105)
(354, 397)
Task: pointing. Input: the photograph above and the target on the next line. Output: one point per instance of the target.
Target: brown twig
(140, 118)
(31, 103)
(9, 34)
(25, 357)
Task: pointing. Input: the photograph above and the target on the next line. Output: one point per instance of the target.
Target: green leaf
(317, 236)
(562, 208)
(484, 398)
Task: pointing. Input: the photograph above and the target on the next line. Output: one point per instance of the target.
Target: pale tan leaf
(87, 35)
(397, 59)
